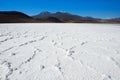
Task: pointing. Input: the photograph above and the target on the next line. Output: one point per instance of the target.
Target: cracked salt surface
(59, 52)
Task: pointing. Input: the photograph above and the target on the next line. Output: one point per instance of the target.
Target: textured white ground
(59, 52)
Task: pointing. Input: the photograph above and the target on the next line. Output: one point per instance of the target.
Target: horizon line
(55, 12)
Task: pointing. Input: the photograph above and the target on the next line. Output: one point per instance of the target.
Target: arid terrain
(59, 51)
(48, 17)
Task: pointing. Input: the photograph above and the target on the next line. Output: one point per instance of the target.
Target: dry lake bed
(59, 51)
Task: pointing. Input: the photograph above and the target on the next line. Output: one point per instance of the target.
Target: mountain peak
(45, 13)
(61, 12)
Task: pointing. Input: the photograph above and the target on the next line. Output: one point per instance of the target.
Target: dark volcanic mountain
(19, 17)
(14, 17)
(66, 17)
(48, 20)
(47, 17)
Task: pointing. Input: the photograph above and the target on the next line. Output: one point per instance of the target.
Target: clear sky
(94, 8)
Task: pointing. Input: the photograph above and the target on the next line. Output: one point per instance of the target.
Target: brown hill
(14, 17)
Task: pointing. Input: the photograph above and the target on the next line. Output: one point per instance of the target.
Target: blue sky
(94, 8)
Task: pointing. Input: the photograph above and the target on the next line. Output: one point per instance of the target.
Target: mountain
(66, 17)
(48, 17)
(48, 20)
(115, 20)
(43, 15)
(14, 16)
(19, 17)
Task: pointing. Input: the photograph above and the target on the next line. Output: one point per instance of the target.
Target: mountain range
(48, 17)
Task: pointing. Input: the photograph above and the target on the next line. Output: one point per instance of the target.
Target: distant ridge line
(48, 17)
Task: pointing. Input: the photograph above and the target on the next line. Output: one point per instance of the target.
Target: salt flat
(59, 51)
